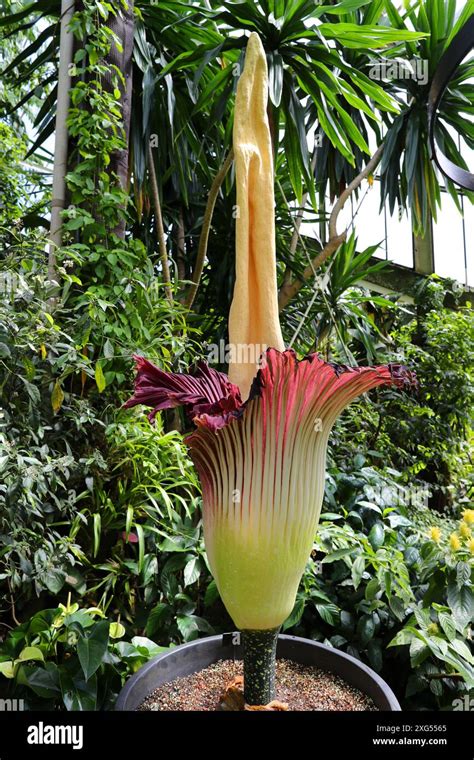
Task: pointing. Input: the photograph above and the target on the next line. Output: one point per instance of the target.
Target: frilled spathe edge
(212, 401)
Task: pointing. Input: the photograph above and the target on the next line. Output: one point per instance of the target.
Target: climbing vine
(110, 280)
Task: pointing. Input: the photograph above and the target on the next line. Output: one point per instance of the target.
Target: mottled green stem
(259, 666)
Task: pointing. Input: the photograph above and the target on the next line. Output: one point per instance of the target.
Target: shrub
(70, 658)
(377, 582)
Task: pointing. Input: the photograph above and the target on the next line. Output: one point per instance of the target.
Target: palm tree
(321, 96)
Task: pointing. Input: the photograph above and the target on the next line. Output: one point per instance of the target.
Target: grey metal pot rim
(350, 664)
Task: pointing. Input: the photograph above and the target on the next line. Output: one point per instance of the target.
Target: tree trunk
(123, 25)
(58, 202)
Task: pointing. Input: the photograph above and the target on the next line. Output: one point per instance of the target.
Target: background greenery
(101, 553)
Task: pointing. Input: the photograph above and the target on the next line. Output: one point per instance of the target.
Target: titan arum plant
(261, 436)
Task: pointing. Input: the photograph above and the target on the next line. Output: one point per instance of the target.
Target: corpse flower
(261, 436)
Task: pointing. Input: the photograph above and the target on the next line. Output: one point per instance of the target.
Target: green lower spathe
(257, 577)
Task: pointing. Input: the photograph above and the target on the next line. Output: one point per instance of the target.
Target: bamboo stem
(160, 230)
(290, 289)
(206, 226)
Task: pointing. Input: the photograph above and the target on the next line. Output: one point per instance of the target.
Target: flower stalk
(259, 665)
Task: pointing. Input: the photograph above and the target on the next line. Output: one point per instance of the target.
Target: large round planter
(196, 655)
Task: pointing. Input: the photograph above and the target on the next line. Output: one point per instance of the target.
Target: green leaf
(461, 648)
(92, 647)
(157, 618)
(295, 615)
(463, 573)
(372, 588)
(363, 36)
(192, 571)
(461, 602)
(99, 377)
(141, 546)
(328, 612)
(338, 554)
(374, 652)
(211, 595)
(446, 623)
(31, 653)
(146, 646)
(436, 687)
(45, 681)
(331, 516)
(77, 693)
(403, 638)
(97, 522)
(397, 607)
(365, 629)
(342, 8)
(275, 77)
(54, 580)
(357, 571)
(415, 684)
(377, 535)
(419, 651)
(108, 349)
(190, 625)
(7, 669)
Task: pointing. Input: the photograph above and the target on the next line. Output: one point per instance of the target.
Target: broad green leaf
(157, 618)
(461, 602)
(377, 535)
(446, 623)
(78, 694)
(31, 653)
(211, 595)
(92, 647)
(7, 669)
(54, 580)
(402, 638)
(99, 377)
(463, 573)
(295, 615)
(108, 349)
(147, 646)
(192, 571)
(338, 554)
(460, 647)
(365, 629)
(372, 589)
(190, 625)
(419, 651)
(357, 571)
(45, 681)
(328, 612)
